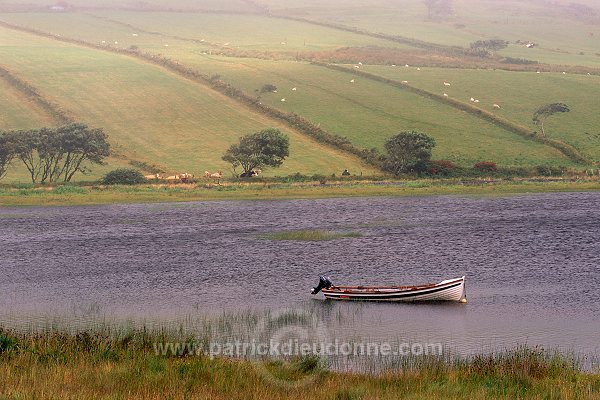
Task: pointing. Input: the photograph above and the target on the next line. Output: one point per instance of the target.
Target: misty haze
(267, 199)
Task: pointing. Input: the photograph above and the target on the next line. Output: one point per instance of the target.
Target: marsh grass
(97, 194)
(123, 364)
(311, 235)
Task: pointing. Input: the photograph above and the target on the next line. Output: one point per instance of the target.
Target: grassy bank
(93, 365)
(147, 193)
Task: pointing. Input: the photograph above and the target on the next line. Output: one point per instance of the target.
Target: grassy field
(92, 364)
(26, 195)
(519, 95)
(150, 114)
(158, 117)
(18, 112)
(562, 34)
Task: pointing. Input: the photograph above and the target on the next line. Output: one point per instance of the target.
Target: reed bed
(311, 235)
(91, 364)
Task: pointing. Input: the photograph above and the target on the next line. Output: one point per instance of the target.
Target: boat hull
(449, 290)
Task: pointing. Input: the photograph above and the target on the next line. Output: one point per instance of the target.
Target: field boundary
(32, 93)
(568, 150)
(416, 56)
(292, 120)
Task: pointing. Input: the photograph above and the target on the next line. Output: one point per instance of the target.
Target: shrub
(268, 88)
(549, 170)
(440, 167)
(69, 189)
(486, 166)
(124, 176)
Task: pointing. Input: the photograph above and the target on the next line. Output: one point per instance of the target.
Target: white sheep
(356, 66)
(406, 65)
(359, 63)
(294, 89)
(283, 99)
(472, 99)
(134, 34)
(351, 80)
(476, 101)
(446, 84)
(404, 81)
(496, 105)
(418, 69)
(445, 94)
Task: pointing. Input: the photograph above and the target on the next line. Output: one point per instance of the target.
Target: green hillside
(159, 116)
(152, 115)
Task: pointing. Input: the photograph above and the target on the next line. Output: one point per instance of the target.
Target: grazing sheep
(537, 72)
(294, 89)
(406, 65)
(116, 42)
(445, 94)
(283, 43)
(351, 80)
(418, 69)
(393, 65)
(134, 34)
(356, 66)
(496, 105)
(476, 101)
(564, 72)
(446, 84)
(359, 63)
(472, 99)
(283, 99)
(166, 45)
(404, 81)
(226, 44)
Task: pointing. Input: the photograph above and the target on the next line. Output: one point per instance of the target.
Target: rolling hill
(113, 78)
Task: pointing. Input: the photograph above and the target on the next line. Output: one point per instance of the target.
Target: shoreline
(72, 195)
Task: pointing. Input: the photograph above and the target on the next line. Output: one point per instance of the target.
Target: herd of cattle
(187, 177)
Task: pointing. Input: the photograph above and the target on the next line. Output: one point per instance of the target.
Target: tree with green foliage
(408, 152)
(124, 176)
(52, 154)
(547, 110)
(267, 148)
(483, 48)
(79, 145)
(7, 152)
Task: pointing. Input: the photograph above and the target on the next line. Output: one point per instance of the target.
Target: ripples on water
(532, 264)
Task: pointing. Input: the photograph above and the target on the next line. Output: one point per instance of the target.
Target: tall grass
(102, 364)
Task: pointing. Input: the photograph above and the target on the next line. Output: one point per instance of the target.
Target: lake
(532, 264)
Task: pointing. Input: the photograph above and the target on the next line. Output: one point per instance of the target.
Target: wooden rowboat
(448, 290)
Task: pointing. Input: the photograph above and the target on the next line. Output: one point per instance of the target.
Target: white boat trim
(447, 290)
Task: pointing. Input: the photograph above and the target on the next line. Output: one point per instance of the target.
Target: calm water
(532, 264)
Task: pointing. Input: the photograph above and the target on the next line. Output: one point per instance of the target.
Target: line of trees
(54, 154)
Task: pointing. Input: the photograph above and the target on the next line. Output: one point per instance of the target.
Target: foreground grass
(149, 193)
(93, 365)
